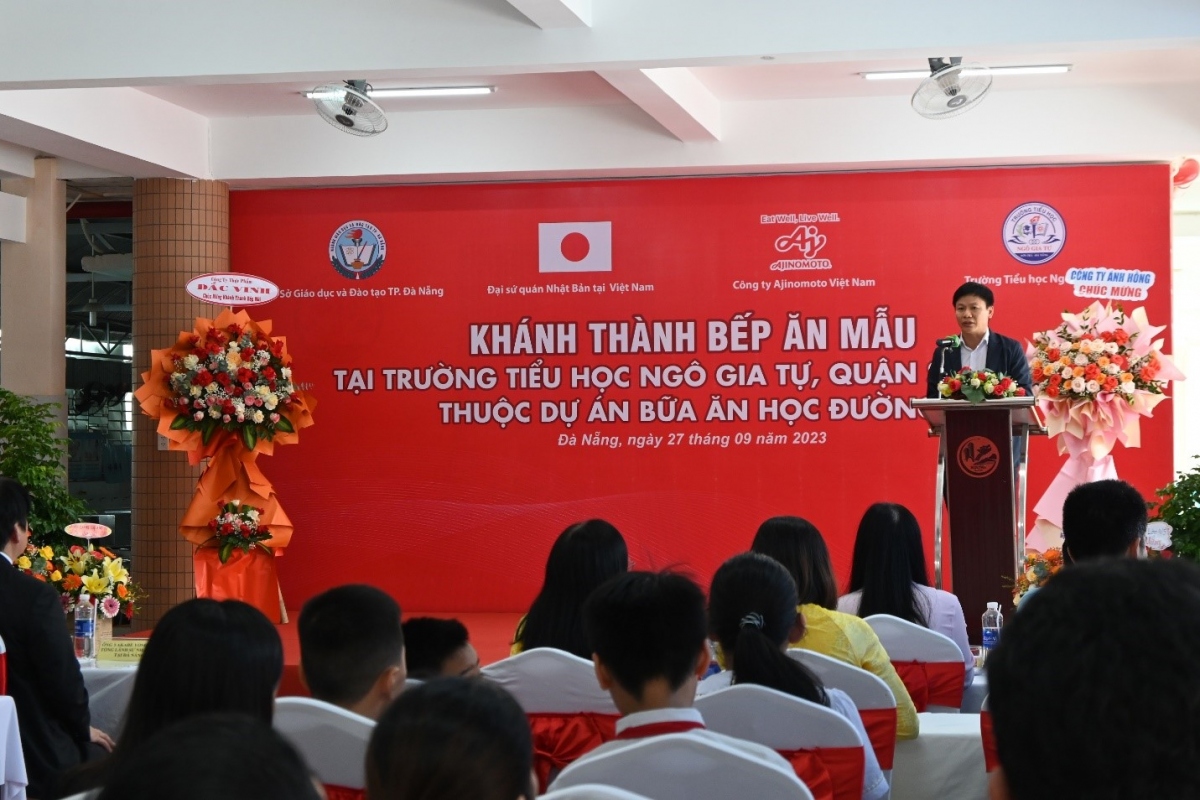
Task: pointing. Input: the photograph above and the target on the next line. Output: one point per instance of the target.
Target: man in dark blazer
(977, 346)
(43, 675)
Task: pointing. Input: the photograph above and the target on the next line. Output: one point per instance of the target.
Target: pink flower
(111, 606)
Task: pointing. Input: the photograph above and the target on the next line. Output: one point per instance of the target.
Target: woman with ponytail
(752, 616)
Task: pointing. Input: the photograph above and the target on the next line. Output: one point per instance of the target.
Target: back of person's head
(230, 756)
(448, 739)
(1102, 518)
(431, 643)
(1093, 689)
(752, 613)
(797, 544)
(644, 626)
(14, 508)
(584, 556)
(349, 636)
(888, 559)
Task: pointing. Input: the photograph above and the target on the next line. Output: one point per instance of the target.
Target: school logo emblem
(1034, 233)
(357, 250)
(978, 456)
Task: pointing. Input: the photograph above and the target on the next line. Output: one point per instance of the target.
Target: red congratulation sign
(684, 358)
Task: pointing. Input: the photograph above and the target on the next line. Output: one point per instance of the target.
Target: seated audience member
(797, 544)
(888, 576)
(438, 648)
(584, 556)
(1103, 518)
(752, 614)
(44, 680)
(226, 756)
(649, 638)
(451, 739)
(203, 656)
(1094, 693)
(352, 648)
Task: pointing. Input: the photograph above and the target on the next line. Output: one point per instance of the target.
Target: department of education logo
(357, 250)
(1034, 233)
(978, 456)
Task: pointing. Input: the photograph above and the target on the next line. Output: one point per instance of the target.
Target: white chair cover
(777, 720)
(680, 766)
(332, 740)
(549, 681)
(592, 791)
(908, 641)
(868, 691)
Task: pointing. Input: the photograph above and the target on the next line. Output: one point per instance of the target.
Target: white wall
(1185, 338)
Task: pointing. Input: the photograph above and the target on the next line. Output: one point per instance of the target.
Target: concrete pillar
(33, 291)
(180, 230)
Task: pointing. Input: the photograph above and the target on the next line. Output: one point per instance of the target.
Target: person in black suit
(978, 346)
(44, 680)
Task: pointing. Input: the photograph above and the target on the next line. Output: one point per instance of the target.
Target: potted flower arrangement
(237, 526)
(74, 570)
(1038, 568)
(976, 386)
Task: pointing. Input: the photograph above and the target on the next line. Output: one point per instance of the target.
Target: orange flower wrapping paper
(249, 577)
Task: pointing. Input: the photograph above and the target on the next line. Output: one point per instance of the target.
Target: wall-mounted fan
(952, 88)
(349, 109)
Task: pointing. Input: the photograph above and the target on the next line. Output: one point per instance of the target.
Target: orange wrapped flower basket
(224, 392)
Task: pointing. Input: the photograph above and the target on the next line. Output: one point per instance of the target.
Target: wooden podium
(984, 487)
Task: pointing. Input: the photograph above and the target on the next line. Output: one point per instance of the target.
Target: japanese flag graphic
(575, 247)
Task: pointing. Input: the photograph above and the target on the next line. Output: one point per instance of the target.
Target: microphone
(949, 341)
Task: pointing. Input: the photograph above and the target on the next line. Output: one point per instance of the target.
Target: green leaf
(249, 437)
(180, 422)
(226, 550)
(284, 425)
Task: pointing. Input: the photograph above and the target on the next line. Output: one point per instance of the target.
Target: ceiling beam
(675, 98)
(556, 13)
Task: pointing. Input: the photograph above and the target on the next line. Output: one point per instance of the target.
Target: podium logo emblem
(357, 250)
(978, 456)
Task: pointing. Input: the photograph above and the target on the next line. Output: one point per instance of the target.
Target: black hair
(647, 625)
(1102, 518)
(751, 611)
(1093, 685)
(14, 508)
(973, 289)
(448, 739)
(888, 559)
(203, 656)
(428, 642)
(231, 756)
(797, 544)
(349, 636)
(584, 556)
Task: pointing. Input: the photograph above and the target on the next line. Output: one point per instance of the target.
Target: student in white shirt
(649, 639)
(752, 614)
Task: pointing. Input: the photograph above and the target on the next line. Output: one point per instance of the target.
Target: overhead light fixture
(919, 74)
(414, 91)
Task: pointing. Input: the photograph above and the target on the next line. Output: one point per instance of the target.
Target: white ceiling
(647, 87)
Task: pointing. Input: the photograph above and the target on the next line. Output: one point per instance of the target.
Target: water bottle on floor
(993, 620)
(85, 628)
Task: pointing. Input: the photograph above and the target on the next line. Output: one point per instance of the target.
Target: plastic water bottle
(993, 620)
(85, 628)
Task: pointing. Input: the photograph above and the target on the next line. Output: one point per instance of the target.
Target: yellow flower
(94, 584)
(56, 576)
(75, 563)
(46, 552)
(115, 570)
(24, 563)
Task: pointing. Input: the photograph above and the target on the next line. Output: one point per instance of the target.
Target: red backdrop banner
(683, 357)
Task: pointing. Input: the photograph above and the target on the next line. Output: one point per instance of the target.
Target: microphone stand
(942, 367)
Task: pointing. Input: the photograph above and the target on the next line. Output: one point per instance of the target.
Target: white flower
(1092, 387)
(1078, 385)
(271, 402)
(262, 391)
(252, 513)
(212, 387)
(989, 387)
(1127, 387)
(258, 417)
(1112, 347)
(976, 383)
(286, 372)
(1081, 360)
(195, 391)
(215, 413)
(190, 362)
(1113, 369)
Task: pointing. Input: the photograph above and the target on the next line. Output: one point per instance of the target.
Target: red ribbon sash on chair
(335, 792)
(936, 683)
(991, 759)
(881, 730)
(830, 773)
(659, 729)
(559, 739)
(3, 672)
